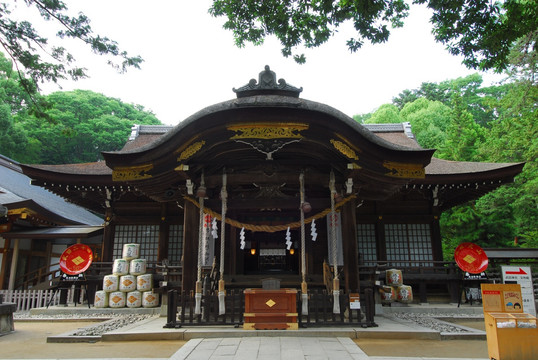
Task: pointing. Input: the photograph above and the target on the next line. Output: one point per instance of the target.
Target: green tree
(463, 134)
(86, 124)
(385, 114)
(37, 60)
(12, 99)
(482, 31)
(429, 121)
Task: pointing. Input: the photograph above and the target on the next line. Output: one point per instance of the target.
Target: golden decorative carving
(403, 170)
(344, 149)
(190, 150)
(268, 131)
(125, 173)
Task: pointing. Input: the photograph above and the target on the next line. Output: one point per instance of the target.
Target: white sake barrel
(111, 283)
(388, 294)
(121, 267)
(116, 299)
(144, 282)
(127, 283)
(150, 299)
(100, 299)
(404, 293)
(131, 251)
(133, 299)
(394, 277)
(138, 267)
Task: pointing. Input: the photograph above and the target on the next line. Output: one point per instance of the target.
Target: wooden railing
(320, 309)
(43, 275)
(29, 299)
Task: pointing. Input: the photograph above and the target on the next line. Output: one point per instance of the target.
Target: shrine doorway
(266, 253)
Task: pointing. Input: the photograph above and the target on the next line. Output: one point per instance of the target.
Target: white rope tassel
(198, 295)
(336, 286)
(198, 303)
(304, 289)
(222, 291)
(222, 304)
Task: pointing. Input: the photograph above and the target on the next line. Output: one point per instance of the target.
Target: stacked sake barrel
(129, 285)
(395, 289)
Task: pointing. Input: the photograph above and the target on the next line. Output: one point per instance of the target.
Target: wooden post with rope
(336, 281)
(201, 193)
(222, 285)
(304, 286)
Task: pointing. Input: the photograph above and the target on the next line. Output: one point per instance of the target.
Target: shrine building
(301, 188)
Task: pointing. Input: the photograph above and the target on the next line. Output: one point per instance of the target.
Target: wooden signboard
(502, 298)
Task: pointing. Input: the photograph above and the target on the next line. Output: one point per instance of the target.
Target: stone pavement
(270, 348)
(229, 343)
(280, 348)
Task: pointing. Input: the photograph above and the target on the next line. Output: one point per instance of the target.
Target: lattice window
(366, 242)
(175, 244)
(145, 235)
(408, 242)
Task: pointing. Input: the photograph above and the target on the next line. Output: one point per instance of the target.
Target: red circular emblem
(471, 258)
(76, 259)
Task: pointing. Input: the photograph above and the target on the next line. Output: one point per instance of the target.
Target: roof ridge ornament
(267, 85)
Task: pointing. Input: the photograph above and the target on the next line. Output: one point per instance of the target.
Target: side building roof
(17, 193)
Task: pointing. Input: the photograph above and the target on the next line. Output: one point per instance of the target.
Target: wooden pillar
(349, 237)
(14, 260)
(3, 260)
(190, 245)
(164, 226)
(437, 247)
(380, 234)
(108, 237)
(231, 251)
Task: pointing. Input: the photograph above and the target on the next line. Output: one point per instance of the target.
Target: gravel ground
(430, 320)
(116, 321)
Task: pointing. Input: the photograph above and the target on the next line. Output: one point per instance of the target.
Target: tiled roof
(446, 167)
(95, 168)
(16, 188)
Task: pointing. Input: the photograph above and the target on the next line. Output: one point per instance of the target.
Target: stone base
(6, 318)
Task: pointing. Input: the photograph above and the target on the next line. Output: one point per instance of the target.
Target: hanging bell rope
(304, 287)
(336, 281)
(198, 296)
(222, 285)
(271, 228)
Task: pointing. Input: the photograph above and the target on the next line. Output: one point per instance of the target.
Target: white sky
(191, 62)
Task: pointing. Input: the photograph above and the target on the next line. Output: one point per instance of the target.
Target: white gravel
(430, 320)
(116, 321)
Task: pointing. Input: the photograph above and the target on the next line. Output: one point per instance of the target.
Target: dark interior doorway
(266, 253)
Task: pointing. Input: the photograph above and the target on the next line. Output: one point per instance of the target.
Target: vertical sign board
(208, 243)
(339, 249)
(521, 275)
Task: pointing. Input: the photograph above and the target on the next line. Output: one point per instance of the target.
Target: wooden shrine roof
(263, 139)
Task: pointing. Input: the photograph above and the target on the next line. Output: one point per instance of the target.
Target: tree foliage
(467, 122)
(86, 124)
(37, 60)
(482, 31)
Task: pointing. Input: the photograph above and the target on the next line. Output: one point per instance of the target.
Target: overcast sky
(191, 62)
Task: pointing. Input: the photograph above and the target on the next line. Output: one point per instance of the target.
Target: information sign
(354, 301)
(502, 298)
(521, 275)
